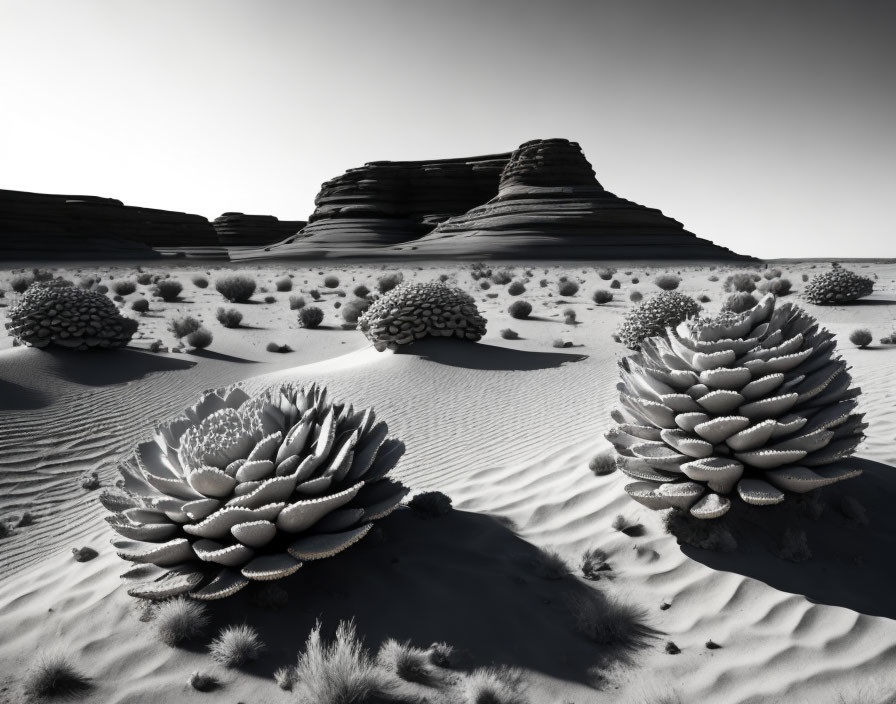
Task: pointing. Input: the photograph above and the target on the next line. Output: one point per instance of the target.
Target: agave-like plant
(242, 488)
(751, 404)
(837, 286)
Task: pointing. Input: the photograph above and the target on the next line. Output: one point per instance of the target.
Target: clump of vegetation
(408, 663)
(520, 310)
(602, 296)
(635, 296)
(123, 288)
(494, 685)
(606, 621)
(229, 317)
(202, 682)
(361, 291)
(703, 298)
(274, 347)
(354, 309)
(314, 293)
(773, 273)
(431, 503)
(615, 283)
(606, 273)
(594, 563)
(667, 282)
(311, 317)
(509, 334)
(516, 288)
(699, 533)
(652, 316)
(168, 290)
(387, 282)
(183, 326)
(602, 464)
(569, 316)
(199, 339)
(283, 284)
(740, 302)
(180, 619)
(713, 278)
(286, 678)
(54, 676)
(861, 338)
(744, 281)
(837, 286)
(561, 343)
(777, 286)
(141, 305)
(200, 281)
(270, 299)
(502, 277)
(144, 278)
(331, 281)
(567, 288)
(236, 288)
(236, 645)
(794, 545)
(296, 302)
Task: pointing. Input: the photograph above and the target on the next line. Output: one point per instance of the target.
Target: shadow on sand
(221, 357)
(458, 353)
(104, 367)
(15, 397)
(851, 564)
(462, 578)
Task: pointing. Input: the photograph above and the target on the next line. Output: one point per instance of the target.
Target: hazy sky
(767, 126)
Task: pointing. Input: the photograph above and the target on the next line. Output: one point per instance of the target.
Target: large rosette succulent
(239, 489)
(412, 311)
(752, 404)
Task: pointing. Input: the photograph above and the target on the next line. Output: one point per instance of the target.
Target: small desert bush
(270, 299)
(502, 276)
(285, 677)
(200, 281)
(283, 284)
(180, 619)
(861, 337)
(202, 682)
(311, 317)
(123, 288)
(567, 288)
(199, 339)
(606, 621)
(520, 309)
(181, 327)
(331, 281)
(602, 464)
(361, 291)
(229, 317)
(342, 672)
(703, 298)
(635, 296)
(713, 278)
(772, 273)
(606, 273)
(236, 645)
(389, 281)
(594, 561)
(569, 316)
(699, 533)
(602, 296)
(144, 278)
(516, 288)
(141, 305)
(667, 282)
(739, 302)
(777, 286)
(615, 283)
(296, 302)
(494, 685)
(20, 283)
(274, 347)
(314, 293)
(742, 281)
(485, 285)
(168, 289)
(431, 503)
(636, 280)
(558, 342)
(408, 663)
(54, 675)
(236, 288)
(805, 277)
(102, 288)
(509, 334)
(352, 310)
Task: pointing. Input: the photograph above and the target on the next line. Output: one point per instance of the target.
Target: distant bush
(635, 296)
(861, 337)
(509, 334)
(502, 277)
(102, 288)
(144, 279)
(270, 299)
(704, 298)
(602, 464)
(314, 293)
(141, 305)
(331, 281)
(742, 281)
(615, 283)
(636, 280)
(229, 317)
(602, 296)
(200, 281)
(361, 291)
(520, 309)
(485, 284)
(311, 317)
(274, 347)
(168, 289)
(284, 284)
(779, 287)
(181, 327)
(352, 310)
(296, 302)
(567, 288)
(236, 288)
(516, 288)
(740, 302)
(667, 282)
(569, 316)
(713, 278)
(389, 281)
(772, 273)
(606, 273)
(805, 277)
(652, 316)
(200, 339)
(123, 288)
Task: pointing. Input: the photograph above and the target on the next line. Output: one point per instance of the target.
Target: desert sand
(506, 428)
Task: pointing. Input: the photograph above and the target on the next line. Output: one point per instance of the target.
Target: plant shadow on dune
(463, 579)
(103, 367)
(458, 353)
(15, 397)
(220, 356)
(847, 556)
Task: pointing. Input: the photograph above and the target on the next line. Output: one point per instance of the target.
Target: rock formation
(60, 226)
(541, 201)
(239, 229)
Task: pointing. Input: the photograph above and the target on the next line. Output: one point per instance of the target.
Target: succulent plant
(837, 286)
(752, 404)
(243, 488)
(652, 316)
(54, 312)
(414, 310)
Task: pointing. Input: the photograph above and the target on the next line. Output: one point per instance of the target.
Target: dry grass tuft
(180, 619)
(53, 675)
(236, 645)
(491, 685)
(409, 663)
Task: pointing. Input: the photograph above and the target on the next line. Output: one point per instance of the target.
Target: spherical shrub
(837, 286)
(615, 283)
(567, 288)
(314, 293)
(180, 619)
(416, 310)
(742, 281)
(520, 310)
(270, 299)
(739, 302)
(606, 273)
(861, 338)
(200, 281)
(102, 288)
(296, 302)
(199, 339)
(389, 281)
(703, 298)
(229, 317)
(141, 305)
(667, 282)
(772, 274)
(502, 277)
(779, 287)
(183, 326)
(602, 296)
(805, 277)
(509, 334)
(352, 310)
(516, 288)
(236, 288)
(283, 284)
(712, 405)
(168, 289)
(485, 285)
(311, 317)
(361, 291)
(241, 480)
(144, 278)
(51, 312)
(635, 296)
(653, 315)
(331, 281)
(274, 347)
(123, 288)
(236, 645)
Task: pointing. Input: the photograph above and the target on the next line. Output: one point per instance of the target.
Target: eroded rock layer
(239, 229)
(62, 226)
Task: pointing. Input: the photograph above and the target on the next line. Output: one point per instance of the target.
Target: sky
(766, 126)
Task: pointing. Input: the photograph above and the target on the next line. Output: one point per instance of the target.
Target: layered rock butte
(542, 201)
(239, 229)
